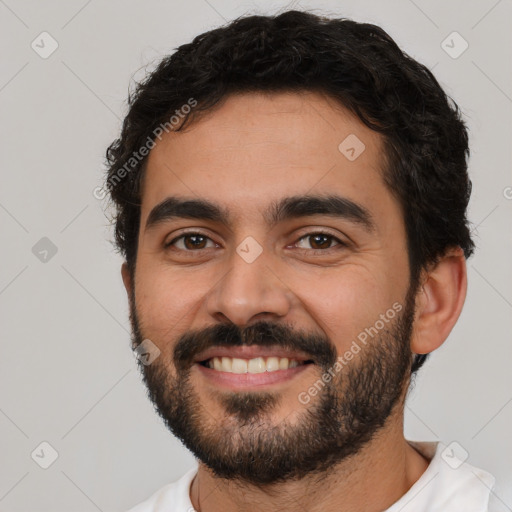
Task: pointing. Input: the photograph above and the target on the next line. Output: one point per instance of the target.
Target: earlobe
(127, 280)
(439, 302)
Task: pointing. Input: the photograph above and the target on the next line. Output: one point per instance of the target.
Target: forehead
(256, 148)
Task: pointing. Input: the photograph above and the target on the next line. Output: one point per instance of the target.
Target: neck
(373, 479)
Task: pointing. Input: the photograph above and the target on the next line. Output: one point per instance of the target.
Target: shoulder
(449, 484)
(173, 497)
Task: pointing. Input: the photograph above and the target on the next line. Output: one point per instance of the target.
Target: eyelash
(307, 235)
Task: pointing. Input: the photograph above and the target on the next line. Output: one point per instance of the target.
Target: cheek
(347, 300)
(165, 300)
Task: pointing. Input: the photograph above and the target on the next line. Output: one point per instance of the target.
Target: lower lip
(250, 380)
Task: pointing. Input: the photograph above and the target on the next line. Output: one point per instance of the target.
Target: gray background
(67, 374)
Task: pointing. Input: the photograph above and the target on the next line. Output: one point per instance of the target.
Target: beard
(246, 446)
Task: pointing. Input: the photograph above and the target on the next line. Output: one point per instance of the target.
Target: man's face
(289, 281)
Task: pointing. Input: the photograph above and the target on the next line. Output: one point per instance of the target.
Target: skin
(254, 149)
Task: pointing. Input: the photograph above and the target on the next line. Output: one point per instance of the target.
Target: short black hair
(357, 64)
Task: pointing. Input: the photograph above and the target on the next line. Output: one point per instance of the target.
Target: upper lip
(251, 352)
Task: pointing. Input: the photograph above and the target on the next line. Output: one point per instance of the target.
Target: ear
(439, 302)
(127, 279)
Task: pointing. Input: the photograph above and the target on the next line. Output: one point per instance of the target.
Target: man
(291, 198)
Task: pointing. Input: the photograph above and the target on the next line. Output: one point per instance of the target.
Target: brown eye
(320, 241)
(190, 242)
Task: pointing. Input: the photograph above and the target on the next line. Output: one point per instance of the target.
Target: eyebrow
(284, 209)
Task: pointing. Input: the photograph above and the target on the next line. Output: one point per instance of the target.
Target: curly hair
(357, 64)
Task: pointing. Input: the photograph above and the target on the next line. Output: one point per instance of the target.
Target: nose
(249, 292)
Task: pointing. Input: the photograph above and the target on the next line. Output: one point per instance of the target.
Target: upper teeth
(256, 365)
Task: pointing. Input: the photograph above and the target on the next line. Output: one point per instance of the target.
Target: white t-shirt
(447, 485)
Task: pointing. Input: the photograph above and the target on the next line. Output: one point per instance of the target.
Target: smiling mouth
(253, 366)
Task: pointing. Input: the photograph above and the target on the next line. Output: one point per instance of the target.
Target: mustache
(262, 333)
